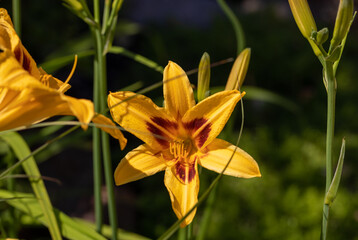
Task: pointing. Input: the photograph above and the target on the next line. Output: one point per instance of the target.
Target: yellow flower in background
(178, 137)
(29, 95)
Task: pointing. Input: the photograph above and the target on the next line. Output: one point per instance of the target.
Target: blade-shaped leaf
(28, 204)
(71, 228)
(22, 150)
(332, 192)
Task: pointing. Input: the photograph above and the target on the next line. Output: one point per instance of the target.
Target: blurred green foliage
(286, 203)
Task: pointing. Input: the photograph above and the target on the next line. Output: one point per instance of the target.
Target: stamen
(171, 149)
(178, 149)
(73, 70)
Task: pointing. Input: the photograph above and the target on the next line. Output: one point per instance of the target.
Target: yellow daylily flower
(178, 137)
(29, 95)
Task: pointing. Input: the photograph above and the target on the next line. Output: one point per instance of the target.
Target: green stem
(107, 6)
(101, 93)
(331, 101)
(181, 234)
(97, 167)
(239, 32)
(16, 16)
(189, 231)
(97, 177)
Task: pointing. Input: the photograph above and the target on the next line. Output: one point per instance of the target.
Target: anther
(178, 149)
(70, 75)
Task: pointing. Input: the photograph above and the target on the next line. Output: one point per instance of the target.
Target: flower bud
(343, 19)
(74, 5)
(303, 17)
(204, 77)
(239, 70)
(322, 36)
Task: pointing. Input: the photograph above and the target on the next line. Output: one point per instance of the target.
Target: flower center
(181, 150)
(184, 163)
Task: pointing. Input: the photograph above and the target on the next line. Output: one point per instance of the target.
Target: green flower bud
(204, 77)
(322, 36)
(303, 17)
(343, 19)
(74, 5)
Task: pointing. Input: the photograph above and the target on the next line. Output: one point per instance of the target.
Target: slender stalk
(181, 234)
(189, 231)
(97, 166)
(331, 102)
(100, 93)
(16, 16)
(108, 173)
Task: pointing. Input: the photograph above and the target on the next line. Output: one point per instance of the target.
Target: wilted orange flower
(29, 95)
(178, 137)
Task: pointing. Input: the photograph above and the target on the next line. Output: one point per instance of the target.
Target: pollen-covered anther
(178, 149)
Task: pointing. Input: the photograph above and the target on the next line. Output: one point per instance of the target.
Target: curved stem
(239, 32)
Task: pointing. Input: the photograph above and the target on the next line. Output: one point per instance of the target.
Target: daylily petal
(219, 153)
(141, 117)
(7, 96)
(114, 132)
(82, 109)
(52, 82)
(11, 41)
(26, 101)
(30, 106)
(178, 94)
(207, 118)
(28, 94)
(182, 196)
(34, 105)
(138, 163)
(13, 76)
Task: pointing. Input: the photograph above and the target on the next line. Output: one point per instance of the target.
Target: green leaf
(22, 150)
(69, 228)
(107, 231)
(256, 93)
(55, 64)
(332, 191)
(136, 57)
